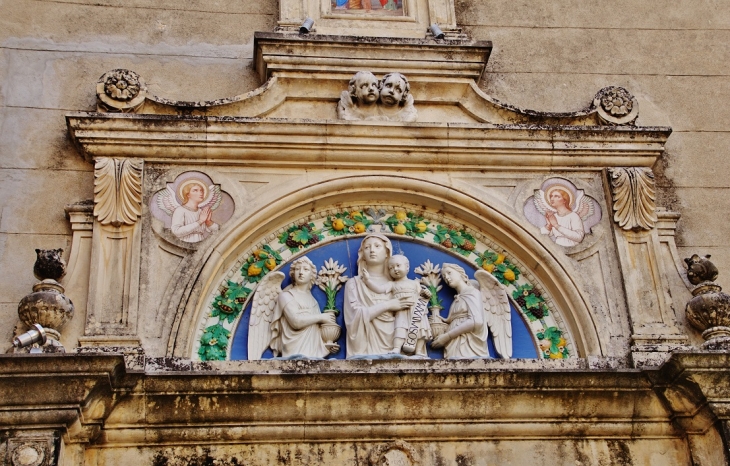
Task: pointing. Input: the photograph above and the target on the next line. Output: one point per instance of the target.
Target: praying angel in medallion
(192, 207)
(562, 212)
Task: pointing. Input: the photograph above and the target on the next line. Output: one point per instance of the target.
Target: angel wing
(263, 313)
(166, 201)
(539, 200)
(584, 207)
(214, 198)
(497, 312)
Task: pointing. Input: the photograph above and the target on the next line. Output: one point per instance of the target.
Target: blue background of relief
(345, 252)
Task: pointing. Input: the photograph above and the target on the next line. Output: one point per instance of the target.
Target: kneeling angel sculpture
(288, 321)
(479, 307)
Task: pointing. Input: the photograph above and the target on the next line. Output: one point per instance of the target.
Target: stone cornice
(79, 393)
(70, 393)
(286, 53)
(362, 145)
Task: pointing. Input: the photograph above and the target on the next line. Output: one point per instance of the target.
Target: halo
(563, 188)
(180, 196)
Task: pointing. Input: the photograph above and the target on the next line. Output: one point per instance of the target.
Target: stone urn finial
(47, 306)
(709, 309)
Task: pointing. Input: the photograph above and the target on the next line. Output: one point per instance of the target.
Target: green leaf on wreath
(532, 301)
(301, 236)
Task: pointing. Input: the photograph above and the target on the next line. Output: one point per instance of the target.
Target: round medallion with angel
(562, 211)
(192, 207)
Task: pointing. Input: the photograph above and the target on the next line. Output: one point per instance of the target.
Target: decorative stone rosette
(709, 312)
(121, 90)
(616, 106)
(28, 454)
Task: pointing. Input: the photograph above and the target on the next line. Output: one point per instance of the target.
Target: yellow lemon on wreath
(338, 224)
(421, 227)
(253, 270)
(556, 355)
(260, 254)
(355, 214)
(400, 229)
(500, 259)
(509, 275)
(488, 267)
(359, 227)
(561, 342)
(270, 263)
(401, 215)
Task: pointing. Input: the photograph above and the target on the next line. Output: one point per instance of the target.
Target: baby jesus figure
(412, 329)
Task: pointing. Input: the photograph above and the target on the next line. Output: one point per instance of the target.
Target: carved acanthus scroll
(634, 197)
(117, 191)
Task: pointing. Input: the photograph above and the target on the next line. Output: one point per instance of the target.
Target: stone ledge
(362, 145)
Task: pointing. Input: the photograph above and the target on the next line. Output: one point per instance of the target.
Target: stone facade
(207, 158)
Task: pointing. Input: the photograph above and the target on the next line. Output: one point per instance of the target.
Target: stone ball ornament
(616, 106)
(709, 309)
(121, 90)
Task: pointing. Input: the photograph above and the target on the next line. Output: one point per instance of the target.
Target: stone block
(720, 257)
(35, 138)
(17, 254)
(44, 193)
(145, 21)
(701, 223)
(663, 100)
(9, 315)
(621, 15)
(611, 51)
(170, 72)
(695, 159)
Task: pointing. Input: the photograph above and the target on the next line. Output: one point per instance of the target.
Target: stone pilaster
(654, 329)
(115, 253)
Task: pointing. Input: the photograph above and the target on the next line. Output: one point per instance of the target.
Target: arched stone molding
(198, 275)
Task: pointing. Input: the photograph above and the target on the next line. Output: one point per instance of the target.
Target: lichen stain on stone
(201, 458)
(619, 452)
(206, 404)
(464, 460)
(284, 458)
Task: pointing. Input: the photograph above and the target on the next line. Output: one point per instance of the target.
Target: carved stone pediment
(305, 76)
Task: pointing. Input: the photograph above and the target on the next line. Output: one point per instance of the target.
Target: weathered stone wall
(51, 54)
(548, 56)
(552, 56)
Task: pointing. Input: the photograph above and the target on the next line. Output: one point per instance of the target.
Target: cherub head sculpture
(364, 88)
(394, 89)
